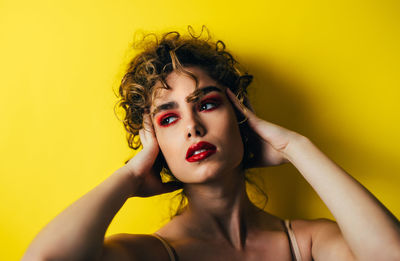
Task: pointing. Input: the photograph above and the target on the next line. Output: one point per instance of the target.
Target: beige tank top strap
(293, 242)
(292, 238)
(167, 247)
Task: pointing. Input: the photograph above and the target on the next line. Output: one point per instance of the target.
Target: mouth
(200, 151)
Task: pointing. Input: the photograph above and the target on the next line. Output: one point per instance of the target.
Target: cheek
(168, 146)
(162, 142)
(237, 140)
(228, 132)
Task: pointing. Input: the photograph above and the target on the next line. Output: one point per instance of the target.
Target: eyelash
(215, 103)
(166, 117)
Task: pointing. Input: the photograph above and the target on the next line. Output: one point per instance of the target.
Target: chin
(207, 173)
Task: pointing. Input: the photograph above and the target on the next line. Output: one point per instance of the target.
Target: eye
(167, 120)
(209, 104)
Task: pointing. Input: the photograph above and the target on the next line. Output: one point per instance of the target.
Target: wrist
(129, 182)
(297, 144)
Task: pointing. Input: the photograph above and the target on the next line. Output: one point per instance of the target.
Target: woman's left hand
(269, 141)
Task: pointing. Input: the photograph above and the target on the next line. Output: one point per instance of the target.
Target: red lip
(202, 145)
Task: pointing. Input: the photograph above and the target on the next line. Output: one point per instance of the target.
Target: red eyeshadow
(211, 98)
(215, 97)
(164, 116)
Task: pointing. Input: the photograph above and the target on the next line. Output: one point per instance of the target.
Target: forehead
(181, 83)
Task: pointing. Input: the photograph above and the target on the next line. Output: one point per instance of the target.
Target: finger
(259, 126)
(148, 128)
(247, 103)
(247, 112)
(147, 133)
(147, 123)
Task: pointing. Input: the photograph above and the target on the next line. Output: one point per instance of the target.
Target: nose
(194, 127)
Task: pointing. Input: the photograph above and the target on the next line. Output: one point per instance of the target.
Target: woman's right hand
(144, 168)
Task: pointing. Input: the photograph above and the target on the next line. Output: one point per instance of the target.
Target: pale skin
(221, 222)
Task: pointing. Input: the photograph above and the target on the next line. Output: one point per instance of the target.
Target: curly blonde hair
(158, 56)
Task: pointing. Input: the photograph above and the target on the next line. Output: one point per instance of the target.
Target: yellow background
(326, 69)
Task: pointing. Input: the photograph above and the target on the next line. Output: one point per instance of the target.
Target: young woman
(186, 100)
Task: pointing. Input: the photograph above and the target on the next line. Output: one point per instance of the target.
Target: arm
(78, 232)
(367, 228)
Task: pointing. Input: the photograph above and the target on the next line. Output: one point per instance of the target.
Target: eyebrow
(173, 105)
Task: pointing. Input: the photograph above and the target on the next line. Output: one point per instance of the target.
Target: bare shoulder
(324, 239)
(309, 227)
(133, 247)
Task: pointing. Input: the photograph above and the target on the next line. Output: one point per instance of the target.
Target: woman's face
(200, 140)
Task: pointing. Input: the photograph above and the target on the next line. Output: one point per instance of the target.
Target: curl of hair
(157, 57)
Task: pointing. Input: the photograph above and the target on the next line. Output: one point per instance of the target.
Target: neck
(220, 209)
